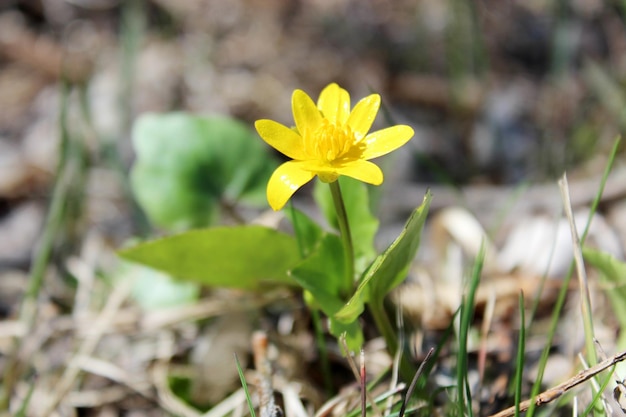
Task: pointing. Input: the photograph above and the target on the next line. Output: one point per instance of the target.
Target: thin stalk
(521, 347)
(244, 385)
(346, 237)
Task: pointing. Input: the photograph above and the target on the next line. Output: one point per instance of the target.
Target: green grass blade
(605, 176)
(467, 313)
(599, 393)
(244, 385)
(24, 407)
(521, 348)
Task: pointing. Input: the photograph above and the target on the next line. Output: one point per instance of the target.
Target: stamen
(330, 142)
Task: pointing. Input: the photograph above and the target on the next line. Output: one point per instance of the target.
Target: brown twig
(555, 392)
(267, 407)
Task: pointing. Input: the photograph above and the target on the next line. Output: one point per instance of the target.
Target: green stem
(315, 314)
(388, 332)
(346, 237)
(321, 346)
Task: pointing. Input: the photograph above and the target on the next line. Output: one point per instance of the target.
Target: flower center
(331, 142)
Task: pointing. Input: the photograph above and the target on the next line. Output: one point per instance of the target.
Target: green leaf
(363, 225)
(186, 165)
(613, 272)
(390, 268)
(246, 257)
(321, 274)
(308, 232)
(351, 331)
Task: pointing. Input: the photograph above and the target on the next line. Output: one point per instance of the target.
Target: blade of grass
(244, 385)
(521, 348)
(467, 313)
(24, 407)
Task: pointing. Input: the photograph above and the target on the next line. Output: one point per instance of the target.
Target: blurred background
(501, 93)
(498, 92)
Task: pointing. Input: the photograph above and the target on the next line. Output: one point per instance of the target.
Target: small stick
(267, 407)
(558, 390)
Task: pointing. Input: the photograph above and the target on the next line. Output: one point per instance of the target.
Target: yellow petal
(363, 171)
(281, 138)
(324, 171)
(334, 103)
(285, 181)
(363, 115)
(305, 114)
(384, 141)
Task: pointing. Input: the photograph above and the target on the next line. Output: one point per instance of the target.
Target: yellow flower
(329, 140)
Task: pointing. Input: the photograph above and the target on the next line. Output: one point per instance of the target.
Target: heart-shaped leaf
(186, 165)
(321, 274)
